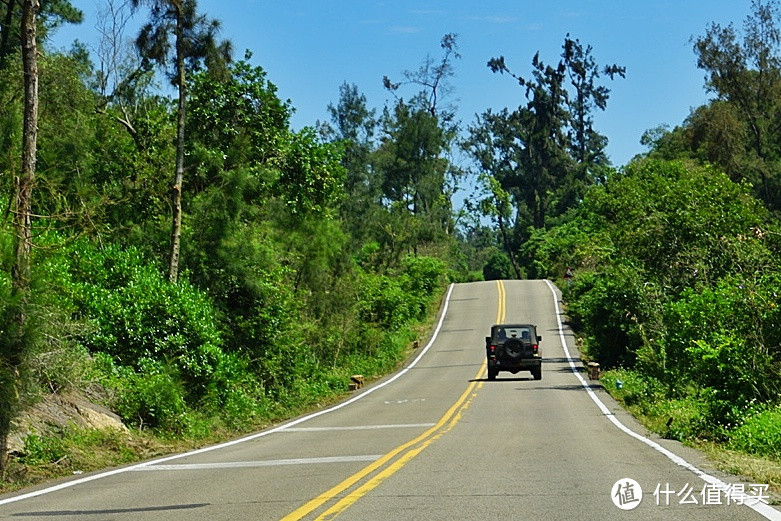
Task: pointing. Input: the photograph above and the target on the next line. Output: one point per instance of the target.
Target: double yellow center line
(378, 471)
(501, 313)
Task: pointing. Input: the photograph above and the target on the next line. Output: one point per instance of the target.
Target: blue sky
(309, 48)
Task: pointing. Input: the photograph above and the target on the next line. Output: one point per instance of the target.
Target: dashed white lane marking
(358, 427)
(399, 402)
(264, 463)
(761, 508)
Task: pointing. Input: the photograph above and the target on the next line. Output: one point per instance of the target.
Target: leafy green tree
(93, 176)
(499, 266)
(651, 246)
(413, 168)
(15, 346)
(194, 42)
(125, 174)
(587, 146)
(545, 153)
(498, 206)
(746, 74)
(544, 161)
(717, 135)
(66, 136)
(666, 144)
(238, 116)
(412, 162)
(311, 176)
(496, 145)
(52, 14)
(264, 242)
(410, 158)
(354, 124)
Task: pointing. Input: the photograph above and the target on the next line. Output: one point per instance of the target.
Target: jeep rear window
(510, 332)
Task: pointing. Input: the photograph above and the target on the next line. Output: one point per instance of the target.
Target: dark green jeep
(513, 348)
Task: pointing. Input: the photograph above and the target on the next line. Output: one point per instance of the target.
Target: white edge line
(138, 466)
(761, 508)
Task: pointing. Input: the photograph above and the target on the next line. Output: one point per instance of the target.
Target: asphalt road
(434, 441)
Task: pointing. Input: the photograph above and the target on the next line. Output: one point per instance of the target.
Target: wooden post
(356, 382)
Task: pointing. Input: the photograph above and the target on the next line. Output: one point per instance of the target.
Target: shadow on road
(560, 360)
(58, 513)
(569, 387)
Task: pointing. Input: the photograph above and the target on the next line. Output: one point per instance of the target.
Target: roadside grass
(77, 451)
(682, 420)
(758, 469)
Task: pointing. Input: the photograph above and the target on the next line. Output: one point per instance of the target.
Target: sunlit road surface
(435, 441)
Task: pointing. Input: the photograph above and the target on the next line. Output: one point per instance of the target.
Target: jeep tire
(513, 347)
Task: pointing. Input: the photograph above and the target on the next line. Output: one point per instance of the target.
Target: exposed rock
(55, 412)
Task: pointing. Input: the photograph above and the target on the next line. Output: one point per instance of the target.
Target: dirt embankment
(56, 412)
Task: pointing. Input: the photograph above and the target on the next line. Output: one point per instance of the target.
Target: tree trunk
(176, 226)
(22, 220)
(5, 29)
(507, 247)
(20, 272)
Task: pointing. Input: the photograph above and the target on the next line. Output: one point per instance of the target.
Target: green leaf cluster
(759, 433)
(675, 279)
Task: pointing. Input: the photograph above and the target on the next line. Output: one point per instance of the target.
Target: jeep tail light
(493, 348)
(535, 347)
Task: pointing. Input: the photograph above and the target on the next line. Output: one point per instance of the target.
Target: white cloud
(404, 29)
(426, 12)
(496, 19)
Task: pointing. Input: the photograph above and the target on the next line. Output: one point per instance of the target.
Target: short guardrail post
(356, 382)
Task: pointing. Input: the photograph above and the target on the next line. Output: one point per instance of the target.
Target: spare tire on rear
(513, 347)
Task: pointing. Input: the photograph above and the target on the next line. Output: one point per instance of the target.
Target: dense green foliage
(284, 290)
(677, 285)
(681, 287)
(535, 162)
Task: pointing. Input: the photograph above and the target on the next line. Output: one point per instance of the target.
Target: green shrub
(498, 267)
(150, 396)
(718, 339)
(760, 433)
(383, 301)
(422, 275)
(612, 306)
(136, 314)
(235, 394)
(42, 450)
(420, 278)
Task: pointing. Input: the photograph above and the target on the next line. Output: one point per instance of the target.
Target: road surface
(434, 441)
